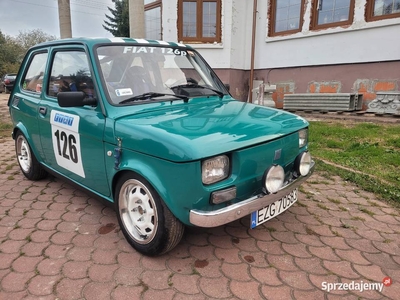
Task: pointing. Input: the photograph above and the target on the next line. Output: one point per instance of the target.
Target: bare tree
(27, 39)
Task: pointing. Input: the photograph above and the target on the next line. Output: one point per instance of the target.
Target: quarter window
(382, 9)
(329, 13)
(286, 16)
(199, 21)
(33, 78)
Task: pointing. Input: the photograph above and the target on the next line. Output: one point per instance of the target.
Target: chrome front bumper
(238, 210)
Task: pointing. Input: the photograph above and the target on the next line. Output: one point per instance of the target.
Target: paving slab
(56, 242)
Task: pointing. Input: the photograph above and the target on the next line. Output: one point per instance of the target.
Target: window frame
(199, 38)
(369, 13)
(51, 67)
(24, 87)
(314, 17)
(272, 14)
(153, 5)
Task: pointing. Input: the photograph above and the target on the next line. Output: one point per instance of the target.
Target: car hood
(190, 132)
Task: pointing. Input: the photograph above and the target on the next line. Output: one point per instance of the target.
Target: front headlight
(302, 164)
(215, 169)
(303, 137)
(273, 179)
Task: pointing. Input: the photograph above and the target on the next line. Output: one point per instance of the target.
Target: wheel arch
(148, 174)
(161, 176)
(19, 127)
(167, 230)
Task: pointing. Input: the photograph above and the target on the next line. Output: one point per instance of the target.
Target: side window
(329, 13)
(33, 78)
(286, 16)
(382, 9)
(199, 21)
(70, 72)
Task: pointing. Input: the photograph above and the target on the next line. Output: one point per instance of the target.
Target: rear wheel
(27, 161)
(147, 223)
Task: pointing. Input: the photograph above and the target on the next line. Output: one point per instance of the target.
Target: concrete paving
(336, 242)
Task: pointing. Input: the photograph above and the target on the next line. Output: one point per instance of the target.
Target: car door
(72, 137)
(26, 98)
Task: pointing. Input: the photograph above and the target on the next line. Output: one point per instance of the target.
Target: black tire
(27, 161)
(145, 220)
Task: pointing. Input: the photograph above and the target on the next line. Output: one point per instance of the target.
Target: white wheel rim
(24, 154)
(138, 211)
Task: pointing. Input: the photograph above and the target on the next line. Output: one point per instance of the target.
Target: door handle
(42, 110)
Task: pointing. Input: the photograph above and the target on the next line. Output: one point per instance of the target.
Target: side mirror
(73, 99)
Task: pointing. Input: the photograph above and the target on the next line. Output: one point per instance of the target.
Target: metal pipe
(253, 42)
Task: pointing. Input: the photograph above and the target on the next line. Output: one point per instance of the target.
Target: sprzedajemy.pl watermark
(356, 286)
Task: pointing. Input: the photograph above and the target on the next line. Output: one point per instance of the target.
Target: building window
(286, 16)
(152, 20)
(382, 9)
(330, 13)
(199, 21)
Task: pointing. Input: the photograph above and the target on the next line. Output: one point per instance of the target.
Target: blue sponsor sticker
(63, 119)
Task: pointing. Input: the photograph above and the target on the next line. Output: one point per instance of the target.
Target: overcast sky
(87, 17)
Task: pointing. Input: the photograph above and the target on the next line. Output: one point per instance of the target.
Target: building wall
(364, 78)
(363, 57)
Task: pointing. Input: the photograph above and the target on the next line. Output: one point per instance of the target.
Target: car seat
(139, 80)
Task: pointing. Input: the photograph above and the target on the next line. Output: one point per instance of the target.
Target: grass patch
(366, 211)
(322, 206)
(357, 219)
(363, 153)
(333, 200)
(5, 129)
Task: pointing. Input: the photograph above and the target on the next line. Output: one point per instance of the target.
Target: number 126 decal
(69, 145)
(66, 141)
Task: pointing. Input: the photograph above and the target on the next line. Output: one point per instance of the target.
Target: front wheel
(145, 220)
(27, 161)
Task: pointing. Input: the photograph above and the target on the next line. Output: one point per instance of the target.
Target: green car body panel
(163, 141)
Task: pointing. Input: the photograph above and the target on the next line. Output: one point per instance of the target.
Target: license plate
(272, 210)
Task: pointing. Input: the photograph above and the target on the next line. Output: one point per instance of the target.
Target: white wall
(360, 42)
(234, 50)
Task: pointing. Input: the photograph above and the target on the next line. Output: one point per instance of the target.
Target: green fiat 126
(148, 126)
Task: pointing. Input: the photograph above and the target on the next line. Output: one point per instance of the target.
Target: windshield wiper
(149, 95)
(192, 85)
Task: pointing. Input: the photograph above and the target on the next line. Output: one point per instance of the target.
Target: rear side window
(70, 73)
(33, 78)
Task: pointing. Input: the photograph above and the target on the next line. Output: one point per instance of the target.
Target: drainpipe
(253, 42)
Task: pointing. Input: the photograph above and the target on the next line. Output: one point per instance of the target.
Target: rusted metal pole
(253, 50)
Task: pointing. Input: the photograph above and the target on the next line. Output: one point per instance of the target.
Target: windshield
(135, 73)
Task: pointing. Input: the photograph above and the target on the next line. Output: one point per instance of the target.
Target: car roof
(91, 42)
